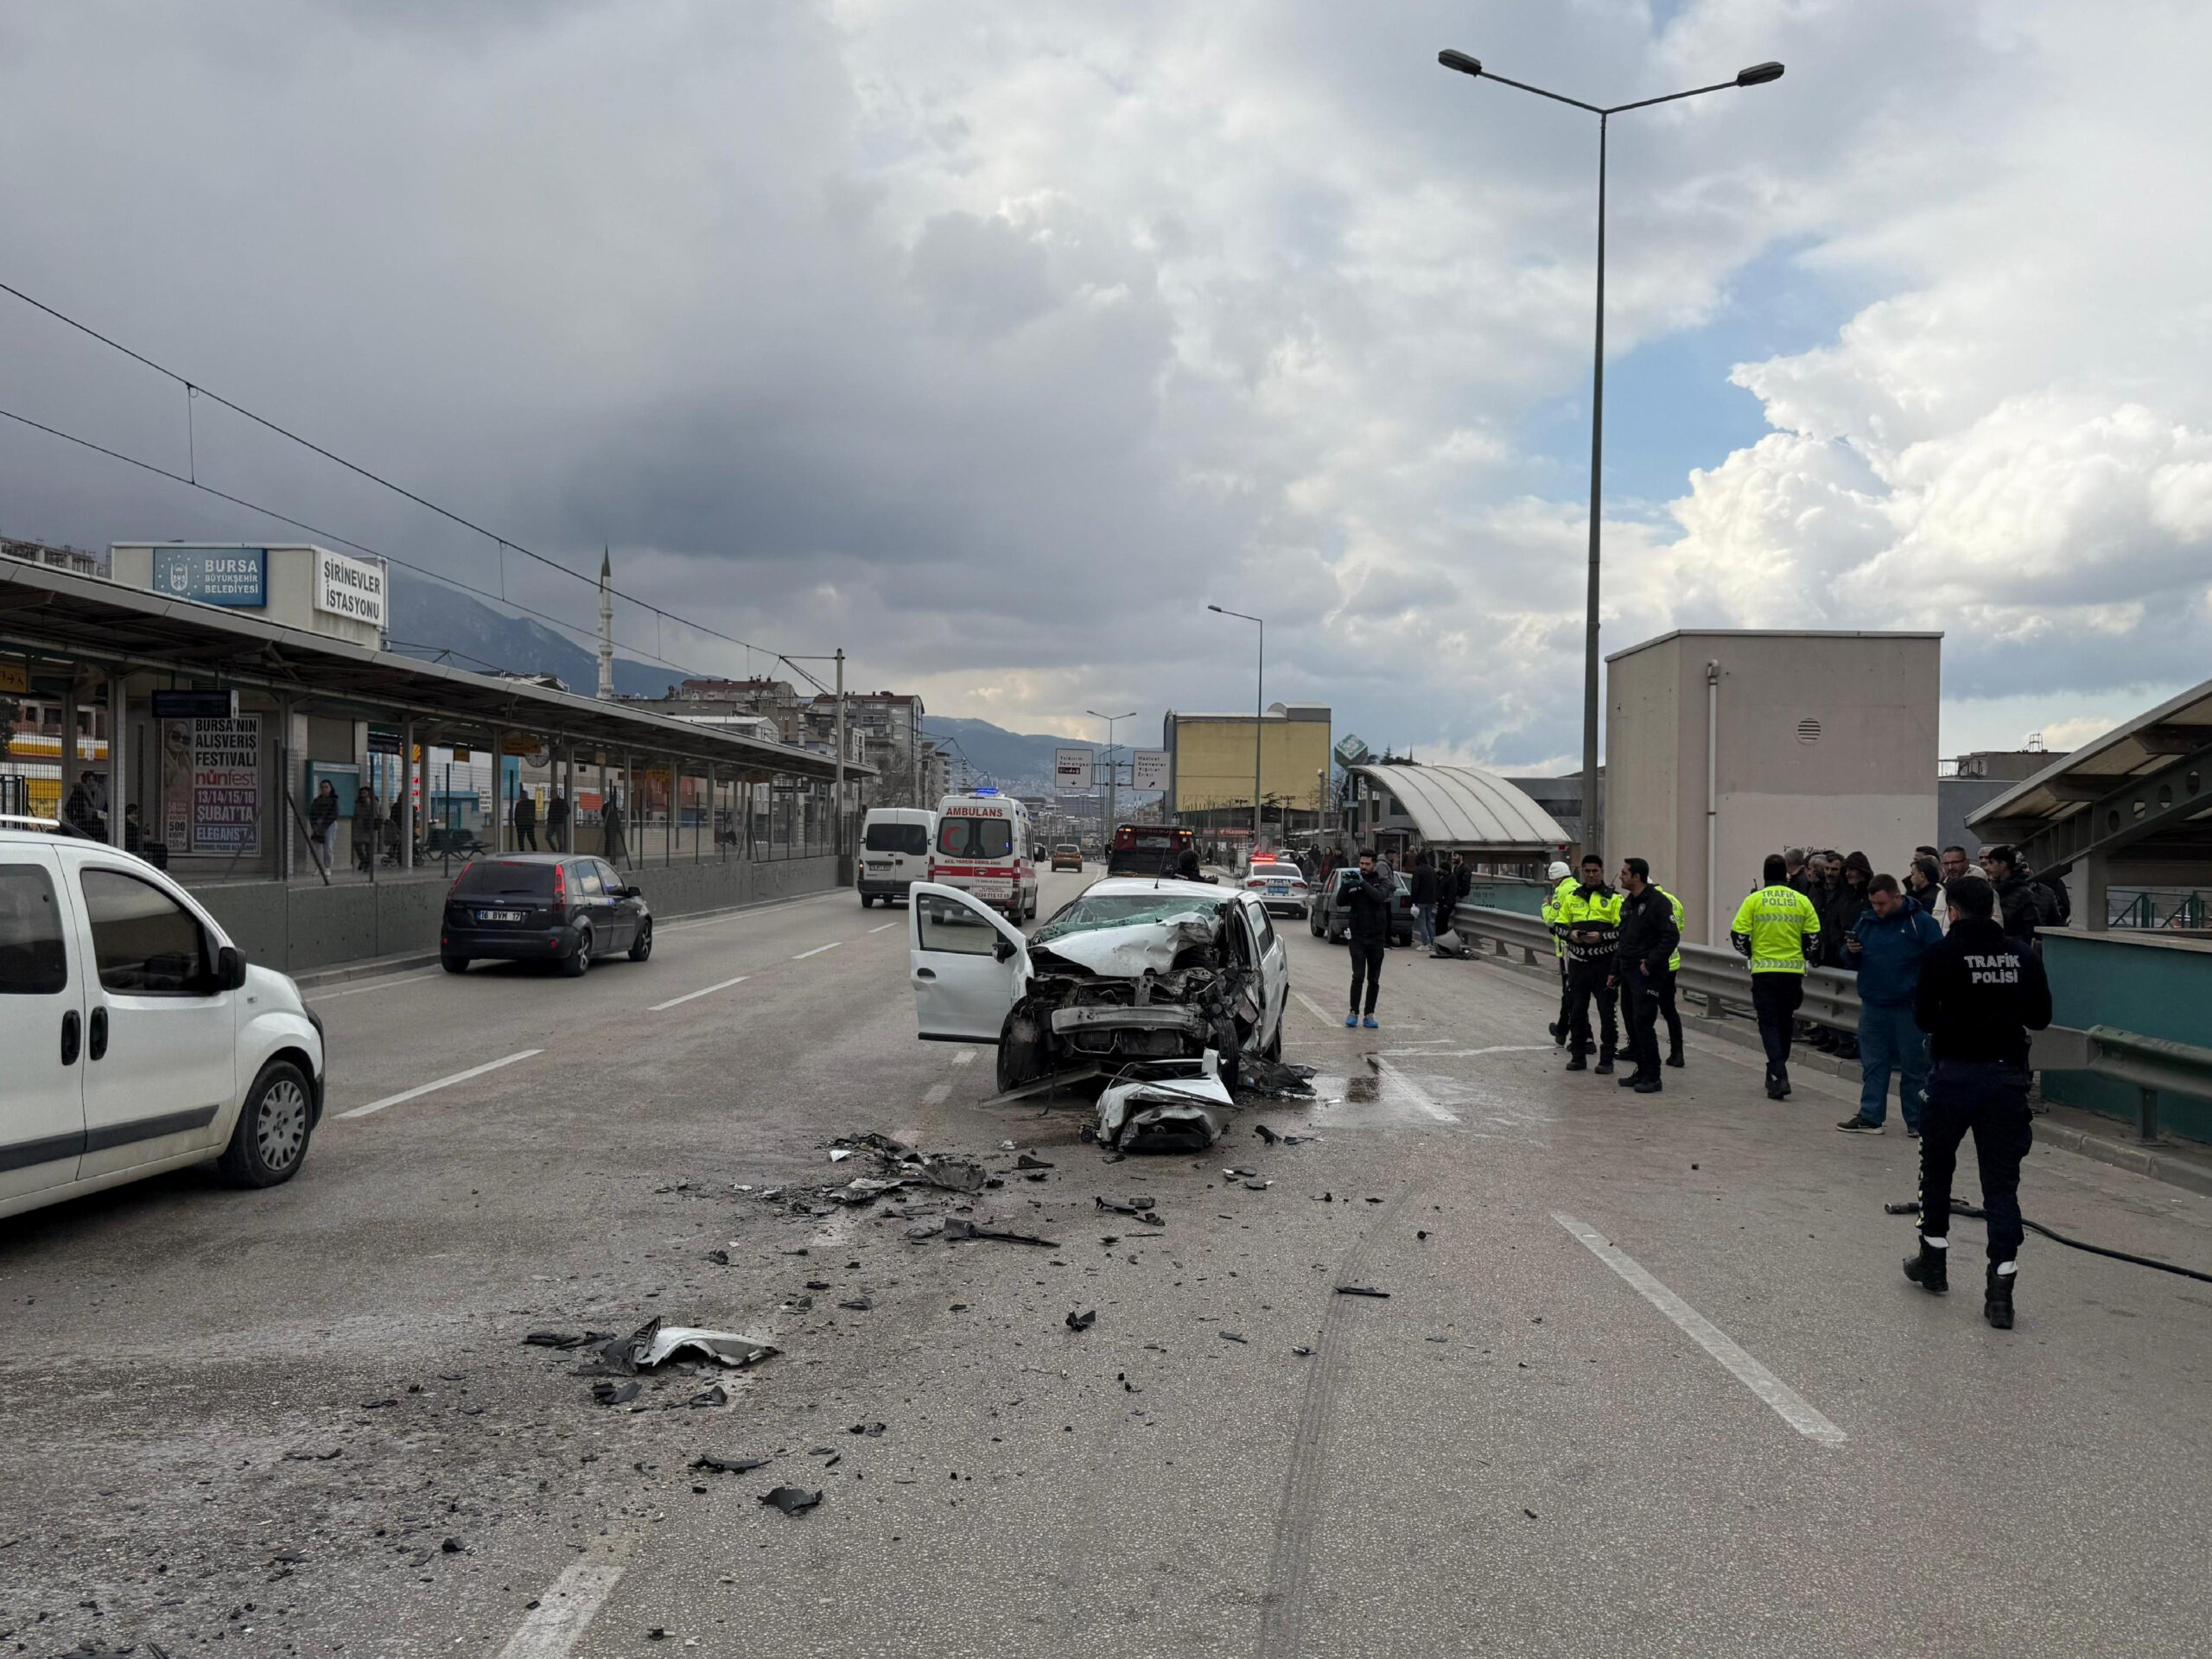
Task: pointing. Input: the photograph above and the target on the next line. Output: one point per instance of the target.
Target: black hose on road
(1977, 1214)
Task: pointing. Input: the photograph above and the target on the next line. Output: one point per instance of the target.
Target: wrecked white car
(1135, 969)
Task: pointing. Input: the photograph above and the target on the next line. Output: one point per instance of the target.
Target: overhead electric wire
(326, 535)
(194, 388)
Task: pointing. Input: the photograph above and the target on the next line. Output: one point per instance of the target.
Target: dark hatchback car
(1330, 915)
(559, 907)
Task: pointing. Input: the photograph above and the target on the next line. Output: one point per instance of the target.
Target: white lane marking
(564, 1612)
(743, 911)
(688, 996)
(1411, 1092)
(963, 1057)
(380, 985)
(818, 951)
(934, 1096)
(442, 1083)
(887, 924)
(1468, 1053)
(1316, 1009)
(1789, 1405)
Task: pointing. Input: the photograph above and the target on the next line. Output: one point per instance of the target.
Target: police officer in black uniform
(1981, 994)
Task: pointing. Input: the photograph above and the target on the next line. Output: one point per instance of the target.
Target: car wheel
(866, 902)
(644, 946)
(577, 962)
(453, 964)
(270, 1140)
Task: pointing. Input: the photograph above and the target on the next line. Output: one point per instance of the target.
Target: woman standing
(366, 820)
(322, 824)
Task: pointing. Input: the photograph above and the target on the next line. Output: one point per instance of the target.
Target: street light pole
(1259, 711)
(1756, 75)
(1112, 767)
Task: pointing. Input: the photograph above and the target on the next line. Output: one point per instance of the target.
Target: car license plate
(498, 915)
(1278, 890)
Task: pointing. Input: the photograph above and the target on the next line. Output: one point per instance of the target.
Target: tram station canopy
(1467, 808)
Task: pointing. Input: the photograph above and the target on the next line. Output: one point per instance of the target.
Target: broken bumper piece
(1181, 1111)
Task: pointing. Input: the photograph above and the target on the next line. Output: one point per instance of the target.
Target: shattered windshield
(1120, 910)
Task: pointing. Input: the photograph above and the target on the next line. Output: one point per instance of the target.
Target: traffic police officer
(1647, 940)
(1665, 985)
(1980, 994)
(1778, 929)
(1562, 883)
(1590, 918)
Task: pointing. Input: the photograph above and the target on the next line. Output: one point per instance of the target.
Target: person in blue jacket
(1885, 947)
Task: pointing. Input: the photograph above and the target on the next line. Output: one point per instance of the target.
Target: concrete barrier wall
(298, 928)
(2137, 982)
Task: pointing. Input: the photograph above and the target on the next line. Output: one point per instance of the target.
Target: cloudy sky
(992, 339)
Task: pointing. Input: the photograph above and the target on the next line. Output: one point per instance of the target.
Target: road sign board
(1147, 769)
(1070, 769)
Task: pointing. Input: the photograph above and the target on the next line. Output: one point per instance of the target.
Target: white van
(895, 852)
(982, 845)
(137, 1037)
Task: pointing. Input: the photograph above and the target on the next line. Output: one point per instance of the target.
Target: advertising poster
(227, 785)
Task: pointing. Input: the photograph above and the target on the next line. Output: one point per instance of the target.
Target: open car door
(967, 963)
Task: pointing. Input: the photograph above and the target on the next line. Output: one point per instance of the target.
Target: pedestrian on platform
(1980, 994)
(1447, 895)
(556, 823)
(1887, 946)
(366, 821)
(1370, 900)
(1424, 895)
(614, 839)
(1924, 884)
(1779, 929)
(525, 817)
(1562, 880)
(1646, 940)
(322, 824)
(1850, 905)
(1826, 894)
(1591, 918)
(1955, 864)
(1801, 875)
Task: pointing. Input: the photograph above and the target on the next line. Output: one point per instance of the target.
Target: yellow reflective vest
(1674, 962)
(1778, 929)
(1552, 913)
(1590, 910)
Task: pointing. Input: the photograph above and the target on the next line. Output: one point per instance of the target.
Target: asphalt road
(1646, 1379)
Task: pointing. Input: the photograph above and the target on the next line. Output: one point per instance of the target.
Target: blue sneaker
(1351, 1020)
(1370, 1023)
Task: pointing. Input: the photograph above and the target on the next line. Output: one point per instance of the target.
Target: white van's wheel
(270, 1141)
(866, 901)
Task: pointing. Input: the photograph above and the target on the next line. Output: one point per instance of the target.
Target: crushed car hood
(1128, 949)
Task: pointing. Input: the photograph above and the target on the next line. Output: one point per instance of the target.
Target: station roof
(2141, 794)
(1465, 806)
(93, 620)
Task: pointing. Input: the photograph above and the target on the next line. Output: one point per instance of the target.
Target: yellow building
(1210, 760)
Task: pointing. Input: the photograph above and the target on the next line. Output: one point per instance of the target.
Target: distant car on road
(1067, 856)
(566, 908)
(1330, 917)
(137, 1038)
(1281, 889)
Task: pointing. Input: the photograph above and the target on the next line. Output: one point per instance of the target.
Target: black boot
(1674, 1058)
(1648, 1085)
(1605, 1066)
(1931, 1269)
(1997, 1301)
(1576, 1063)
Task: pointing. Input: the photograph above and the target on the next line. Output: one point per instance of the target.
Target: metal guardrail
(2154, 1065)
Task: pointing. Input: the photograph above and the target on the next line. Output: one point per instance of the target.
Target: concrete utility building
(1210, 760)
(1723, 747)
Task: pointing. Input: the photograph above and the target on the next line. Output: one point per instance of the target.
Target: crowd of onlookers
(1438, 884)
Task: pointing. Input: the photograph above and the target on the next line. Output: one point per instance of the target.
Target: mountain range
(434, 622)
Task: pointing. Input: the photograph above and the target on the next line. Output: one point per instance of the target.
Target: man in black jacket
(1648, 938)
(1369, 900)
(2016, 900)
(1980, 994)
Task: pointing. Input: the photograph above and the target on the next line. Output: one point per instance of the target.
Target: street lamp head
(1216, 608)
(1758, 75)
(1467, 66)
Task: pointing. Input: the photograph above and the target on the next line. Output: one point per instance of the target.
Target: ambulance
(982, 845)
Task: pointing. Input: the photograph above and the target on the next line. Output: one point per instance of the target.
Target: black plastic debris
(1272, 1079)
(712, 1464)
(792, 1500)
(608, 1392)
(856, 1305)
(314, 1457)
(1266, 1134)
(1083, 1321)
(562, 1339)
(873, 1431)
(452, 1547)
(1422, 1233)
(925, 1230)
(1303, 1353)
(712, 1395)
(1258, 1187)
(1228, 1336)
(1027, 1162)
(720, 1258)
(956, 1228)
(1362, 1290)
(377, 1405)
(1241, 1173)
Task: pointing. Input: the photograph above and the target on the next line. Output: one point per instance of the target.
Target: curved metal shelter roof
(1465, 806)
(2140, 795)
